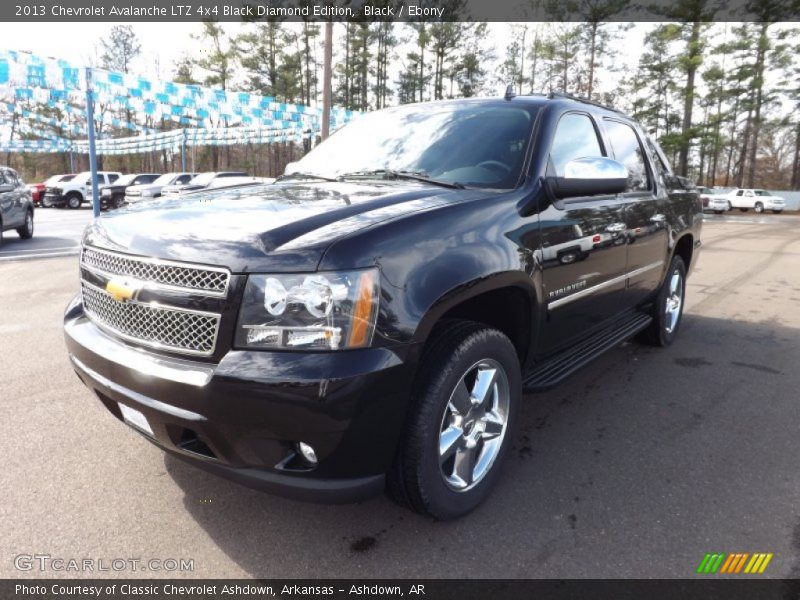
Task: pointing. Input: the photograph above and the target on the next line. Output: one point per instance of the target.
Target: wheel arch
(506, 301)
(684, 248)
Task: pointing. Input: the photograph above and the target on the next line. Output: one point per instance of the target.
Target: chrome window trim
(151, 344)
(603, 285)
(162, 263)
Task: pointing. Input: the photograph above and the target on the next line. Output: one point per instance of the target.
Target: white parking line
(14, 251)
(11, 257)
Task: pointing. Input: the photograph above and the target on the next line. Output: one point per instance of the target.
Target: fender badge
(122, 289)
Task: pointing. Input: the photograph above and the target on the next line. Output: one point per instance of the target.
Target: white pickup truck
(758, 200)
(77, 190)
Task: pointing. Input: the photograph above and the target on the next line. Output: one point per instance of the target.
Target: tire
(74, 200)
(777, 212)
(759, 207)
(668, 307)
(46, 203)
(26, 231)
(457, 357)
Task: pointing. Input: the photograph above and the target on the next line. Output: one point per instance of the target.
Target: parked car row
(116, 189)
(722, 200)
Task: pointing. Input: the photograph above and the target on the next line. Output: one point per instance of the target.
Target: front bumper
(56, 199)
(242, 417)
(717, 205)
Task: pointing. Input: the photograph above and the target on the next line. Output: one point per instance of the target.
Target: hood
(279, 227)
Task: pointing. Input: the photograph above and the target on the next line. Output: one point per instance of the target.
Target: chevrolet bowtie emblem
(122, 289)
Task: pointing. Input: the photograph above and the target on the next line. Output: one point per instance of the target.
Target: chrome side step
(558, 367)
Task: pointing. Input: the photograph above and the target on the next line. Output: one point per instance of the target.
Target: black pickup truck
(372, 320)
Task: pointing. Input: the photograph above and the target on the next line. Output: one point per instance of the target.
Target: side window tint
(628, 150)
(11, 177)
(2, 178)
(575, 137)
(184, 179)
(112, 178)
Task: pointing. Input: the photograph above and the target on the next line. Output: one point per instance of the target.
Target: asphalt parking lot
(636, 467)
(57, 232)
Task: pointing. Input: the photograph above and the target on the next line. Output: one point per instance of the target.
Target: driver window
(576, 137)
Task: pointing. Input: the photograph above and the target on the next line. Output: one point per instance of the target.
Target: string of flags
(207, 116)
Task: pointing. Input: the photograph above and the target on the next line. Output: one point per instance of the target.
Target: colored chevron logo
(735, 563)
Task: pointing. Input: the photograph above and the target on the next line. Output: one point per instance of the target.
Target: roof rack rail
(565, 95)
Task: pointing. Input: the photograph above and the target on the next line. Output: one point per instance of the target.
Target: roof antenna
(510, 92)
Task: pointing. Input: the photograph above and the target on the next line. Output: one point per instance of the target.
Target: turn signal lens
(363, 319)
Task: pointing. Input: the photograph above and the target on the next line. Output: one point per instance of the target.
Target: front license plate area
(135, 419)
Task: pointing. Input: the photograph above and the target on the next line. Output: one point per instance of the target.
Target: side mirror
(591, 176)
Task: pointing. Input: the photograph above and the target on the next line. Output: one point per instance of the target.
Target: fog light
(307, 452)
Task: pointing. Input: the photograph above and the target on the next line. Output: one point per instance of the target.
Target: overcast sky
(164, 43)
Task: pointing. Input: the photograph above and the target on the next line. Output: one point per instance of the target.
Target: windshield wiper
(413, 175)
(304, 176)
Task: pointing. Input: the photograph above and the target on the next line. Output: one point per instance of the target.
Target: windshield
(480, 145)
(58, 179)
(165, 179)
(125, 180)
(762, 193)
(203, 179)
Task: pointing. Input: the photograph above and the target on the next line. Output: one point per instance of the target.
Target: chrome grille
(211, 281)
(154, 325)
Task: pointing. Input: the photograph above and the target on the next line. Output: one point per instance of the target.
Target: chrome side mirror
(591, 176)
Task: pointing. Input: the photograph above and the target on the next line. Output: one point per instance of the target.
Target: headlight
(325, 311)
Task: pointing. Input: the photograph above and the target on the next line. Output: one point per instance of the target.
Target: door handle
(616, 228)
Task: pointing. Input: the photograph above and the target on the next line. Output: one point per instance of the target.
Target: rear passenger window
(575, 137)
(628, 150)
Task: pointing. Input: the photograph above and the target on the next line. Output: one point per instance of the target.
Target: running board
(557, 368)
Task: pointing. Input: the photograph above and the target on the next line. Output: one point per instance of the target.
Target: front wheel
(74, 201)
(26, 231)
(759, 208)
(668, 308)
(465, 400)
(47, 202)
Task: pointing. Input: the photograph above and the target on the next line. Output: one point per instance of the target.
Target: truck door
(644, 212)
(583, 244)
(16, 194)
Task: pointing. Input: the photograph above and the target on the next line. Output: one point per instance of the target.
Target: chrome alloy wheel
(674, 302)
(474, 425)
